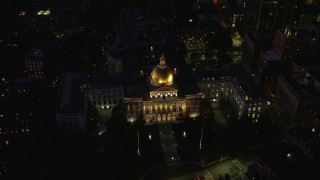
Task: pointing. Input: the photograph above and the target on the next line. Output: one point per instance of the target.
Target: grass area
(122, 146)
(189, 145)
(150, 150)
(150, 139)
(219, 141)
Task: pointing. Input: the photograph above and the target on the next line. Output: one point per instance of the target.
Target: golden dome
(161, 74)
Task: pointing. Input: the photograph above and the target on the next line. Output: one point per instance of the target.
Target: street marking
(239, 165)
(204, 174)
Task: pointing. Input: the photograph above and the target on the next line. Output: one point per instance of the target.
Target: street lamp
(200, 145)
(138, 143)
(184, 134)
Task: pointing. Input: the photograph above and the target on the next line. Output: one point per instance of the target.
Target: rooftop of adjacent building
(270, 55)
(262, 39)
(137, 88)
(236, 74)
(235, 5)
(140, 32)
(287, 161)
(310, 136)
(70, 99)
(301, 84)
(35, 54)
(316, 76)
(71, 96)
(294, 31)
(250, 88)
(306, 61)
(102, 81)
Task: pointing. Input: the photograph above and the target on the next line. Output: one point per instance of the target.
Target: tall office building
(296, 99)
(271, 14)
(311, 13)
(298, 45)
(34, 63)
(310, 2)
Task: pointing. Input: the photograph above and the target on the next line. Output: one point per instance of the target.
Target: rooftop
(270, 56)
(137, 89)
(301, 85)
(35, 54)
(71, 99)
(285, 160)
(310, 137)
(246, 82)
(236, 74)
(293, 31)
(133, 32)
(98, 81)
(307, 61)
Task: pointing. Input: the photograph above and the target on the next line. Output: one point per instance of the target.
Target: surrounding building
(34, 63)
(271, 14)
(234, 11)
(70, 111)
(253, 43)
(296, 98)
(307, 139)
(114, 65)
(269, 66)
(311, 13)
(103, 92)
(279, 161)
(79, 91)
(235, 85)
(294, 44)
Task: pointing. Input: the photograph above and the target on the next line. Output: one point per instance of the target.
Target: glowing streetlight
(200, 145)
(102, 132)
(138, 143)
(184, 134)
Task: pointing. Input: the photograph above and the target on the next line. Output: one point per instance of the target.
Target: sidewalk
(168, 141)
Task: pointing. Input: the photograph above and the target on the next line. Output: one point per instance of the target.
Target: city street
(234, 168)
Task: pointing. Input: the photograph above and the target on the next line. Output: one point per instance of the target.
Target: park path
(168, 141)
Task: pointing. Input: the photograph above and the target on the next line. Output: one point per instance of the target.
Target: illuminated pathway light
(43, 13)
